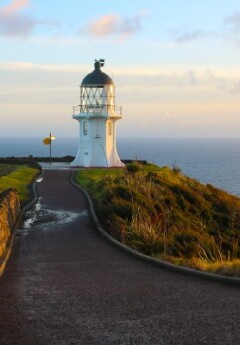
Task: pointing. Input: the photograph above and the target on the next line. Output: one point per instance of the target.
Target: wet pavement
(65, 284)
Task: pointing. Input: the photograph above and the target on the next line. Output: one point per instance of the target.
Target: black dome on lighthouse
(97, 77)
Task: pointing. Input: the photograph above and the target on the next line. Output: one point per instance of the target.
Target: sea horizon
(214, 160)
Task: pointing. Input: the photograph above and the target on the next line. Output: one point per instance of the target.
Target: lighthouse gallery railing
(97, 109)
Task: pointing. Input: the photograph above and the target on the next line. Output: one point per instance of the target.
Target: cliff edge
(9, 213)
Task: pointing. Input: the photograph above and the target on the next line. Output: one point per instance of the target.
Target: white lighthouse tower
(97, 115)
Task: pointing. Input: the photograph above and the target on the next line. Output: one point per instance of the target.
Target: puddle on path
(39, 179)
(42, 217)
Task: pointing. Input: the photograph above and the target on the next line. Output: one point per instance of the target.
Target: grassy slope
(18, 177)
(6, 169)
(162, 213)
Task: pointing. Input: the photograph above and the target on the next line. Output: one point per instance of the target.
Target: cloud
(233, 21)
(16, 26)
(114, 24)
(189, 36)
(140, 78)
(235, 87)
(229, 85)
(29, 66)
(13, 23)
(105, 25)
(14, 6)
(184, 79)
(183, 35)
(227, 82)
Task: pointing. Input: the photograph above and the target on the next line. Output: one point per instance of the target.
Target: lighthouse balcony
(98, 110)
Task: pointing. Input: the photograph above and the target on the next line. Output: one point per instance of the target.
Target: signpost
(48, 141)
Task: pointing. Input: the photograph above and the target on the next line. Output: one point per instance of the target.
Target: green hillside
(162, 213)
(19, 177)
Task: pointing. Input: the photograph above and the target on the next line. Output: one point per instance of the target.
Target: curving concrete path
(65, 284)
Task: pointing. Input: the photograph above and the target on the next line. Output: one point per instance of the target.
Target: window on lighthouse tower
(85, 128)
(91, 98)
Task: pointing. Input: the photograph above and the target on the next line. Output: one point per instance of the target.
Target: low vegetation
(19, 177)
(162, 213)
(6, 169)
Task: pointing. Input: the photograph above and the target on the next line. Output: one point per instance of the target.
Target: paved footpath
(65, 284)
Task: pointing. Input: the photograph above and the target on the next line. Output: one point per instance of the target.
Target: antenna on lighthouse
(101, 62)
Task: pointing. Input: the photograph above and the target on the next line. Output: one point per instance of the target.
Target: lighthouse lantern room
(97, 115)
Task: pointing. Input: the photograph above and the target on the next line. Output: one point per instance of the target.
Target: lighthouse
(97, 115)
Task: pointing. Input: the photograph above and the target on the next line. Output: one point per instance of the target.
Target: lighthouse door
(85, 158)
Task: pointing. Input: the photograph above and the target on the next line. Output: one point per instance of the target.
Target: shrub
(123, 192)
(133, 168)
(184, 243)
(122, 208)
(176, 169)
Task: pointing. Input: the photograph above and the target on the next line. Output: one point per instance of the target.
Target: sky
(175, 65)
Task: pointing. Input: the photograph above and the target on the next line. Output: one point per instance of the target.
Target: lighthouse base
(96, 157)
(97, 144)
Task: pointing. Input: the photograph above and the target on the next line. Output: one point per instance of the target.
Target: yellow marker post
(48, 141)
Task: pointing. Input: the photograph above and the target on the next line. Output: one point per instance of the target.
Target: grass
(18, 177)
(89, 178)
(162, 213)
(6, 169)
(228, 268)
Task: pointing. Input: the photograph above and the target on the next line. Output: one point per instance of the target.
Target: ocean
(210, 160)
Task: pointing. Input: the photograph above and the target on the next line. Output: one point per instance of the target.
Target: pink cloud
(14, 6)
(113, 24)
(105, 25)
(16, 24)
(13, 23)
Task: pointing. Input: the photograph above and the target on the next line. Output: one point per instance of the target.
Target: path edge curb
(8, 249)
(163, 264)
